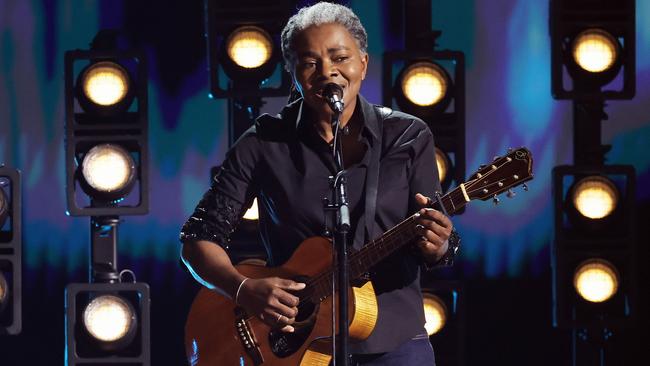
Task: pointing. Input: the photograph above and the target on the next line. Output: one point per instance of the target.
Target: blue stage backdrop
(509, 104)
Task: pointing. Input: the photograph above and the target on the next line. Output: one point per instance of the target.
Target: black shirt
(285, 163)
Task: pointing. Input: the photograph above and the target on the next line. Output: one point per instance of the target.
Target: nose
(327, 70)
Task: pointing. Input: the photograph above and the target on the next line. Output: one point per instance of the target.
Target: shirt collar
(369, 117)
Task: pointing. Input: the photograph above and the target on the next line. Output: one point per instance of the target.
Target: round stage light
(595, 50)
(4, 207)
(595, 197)
(435, 313)
(249, 47)
(4, 291)
(105, 83)
(424, 84)
(596, 280)
(109, 318)
(252, 213)
(108, 168)
(442, 161)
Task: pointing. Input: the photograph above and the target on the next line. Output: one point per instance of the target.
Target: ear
(364, 63)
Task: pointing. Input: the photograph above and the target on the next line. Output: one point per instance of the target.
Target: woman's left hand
(435, 228)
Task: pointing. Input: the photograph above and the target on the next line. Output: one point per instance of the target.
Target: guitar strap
(372, 181)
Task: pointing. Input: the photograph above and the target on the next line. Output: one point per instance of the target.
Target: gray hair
(317, 14)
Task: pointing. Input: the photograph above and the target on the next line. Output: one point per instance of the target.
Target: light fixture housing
(85, 347)
(11, 251)
(423, 88)
(580, 240)
(446, 117)
(4, 207)
(224, 21)
(600, 21)
(444, 311)
(123, 124)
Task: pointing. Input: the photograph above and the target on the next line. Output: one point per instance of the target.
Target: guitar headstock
(505, 172)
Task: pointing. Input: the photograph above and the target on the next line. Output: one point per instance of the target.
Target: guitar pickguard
(285, 344)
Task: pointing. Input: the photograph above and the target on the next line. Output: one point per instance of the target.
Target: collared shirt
(285, 164)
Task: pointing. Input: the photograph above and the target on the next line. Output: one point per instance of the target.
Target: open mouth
(319, 91)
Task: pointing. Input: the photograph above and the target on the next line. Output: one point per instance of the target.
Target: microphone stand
(341, 229)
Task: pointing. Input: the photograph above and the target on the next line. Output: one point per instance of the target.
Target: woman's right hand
(271, 301)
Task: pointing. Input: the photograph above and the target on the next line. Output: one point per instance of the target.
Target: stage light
(107, 324)
(431, 86)
(249, 47)
(252, 213)
(106, 130)
(595, 50)
(444, 316)
(595, 197)
(105, 83)
(109, 169)
(109, 318)
(10, 251)
(596, 280)
(435, 313)
(4, 292)
(594, 276)
(424, 83)
(243, 39)
(443, 164)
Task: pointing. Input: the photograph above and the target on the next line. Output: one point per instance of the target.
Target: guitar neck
(490, 180)
(376, 250)
(399, 236)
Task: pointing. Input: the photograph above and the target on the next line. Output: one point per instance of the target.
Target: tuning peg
(510, 150)
(525, 186)
(510, 193)
(495, 199)
(481, 166)
(495, 158)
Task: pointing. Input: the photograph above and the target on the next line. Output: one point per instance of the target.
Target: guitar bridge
(247, 337)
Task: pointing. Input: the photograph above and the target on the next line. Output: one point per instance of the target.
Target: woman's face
(328, 54)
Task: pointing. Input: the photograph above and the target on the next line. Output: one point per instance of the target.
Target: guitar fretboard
(376, 250)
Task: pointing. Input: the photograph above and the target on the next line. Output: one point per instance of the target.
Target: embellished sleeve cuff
(448, 258)
(215, 218)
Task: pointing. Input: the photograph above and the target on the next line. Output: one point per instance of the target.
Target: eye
(307, 64)
(340, 58)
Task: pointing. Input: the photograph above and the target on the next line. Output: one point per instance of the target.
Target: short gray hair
(317, 14)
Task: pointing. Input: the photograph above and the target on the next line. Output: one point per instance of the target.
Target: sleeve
(423, 174)
(423, 178)
(232, 191)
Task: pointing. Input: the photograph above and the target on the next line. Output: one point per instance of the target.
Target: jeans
(416, 352)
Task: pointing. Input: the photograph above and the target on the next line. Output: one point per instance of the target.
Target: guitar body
(218, 332)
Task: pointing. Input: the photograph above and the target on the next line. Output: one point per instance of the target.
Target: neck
(324, 122)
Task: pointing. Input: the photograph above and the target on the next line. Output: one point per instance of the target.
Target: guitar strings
(388, 237)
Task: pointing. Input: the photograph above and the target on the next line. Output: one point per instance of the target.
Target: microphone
(334, 95)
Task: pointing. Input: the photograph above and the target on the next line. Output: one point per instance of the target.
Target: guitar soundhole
(285, 344)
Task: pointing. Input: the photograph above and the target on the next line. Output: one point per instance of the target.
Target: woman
(286, 160)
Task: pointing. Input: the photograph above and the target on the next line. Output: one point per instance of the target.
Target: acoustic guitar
(218, 332)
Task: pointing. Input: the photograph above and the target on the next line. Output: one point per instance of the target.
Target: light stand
(103, 250)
